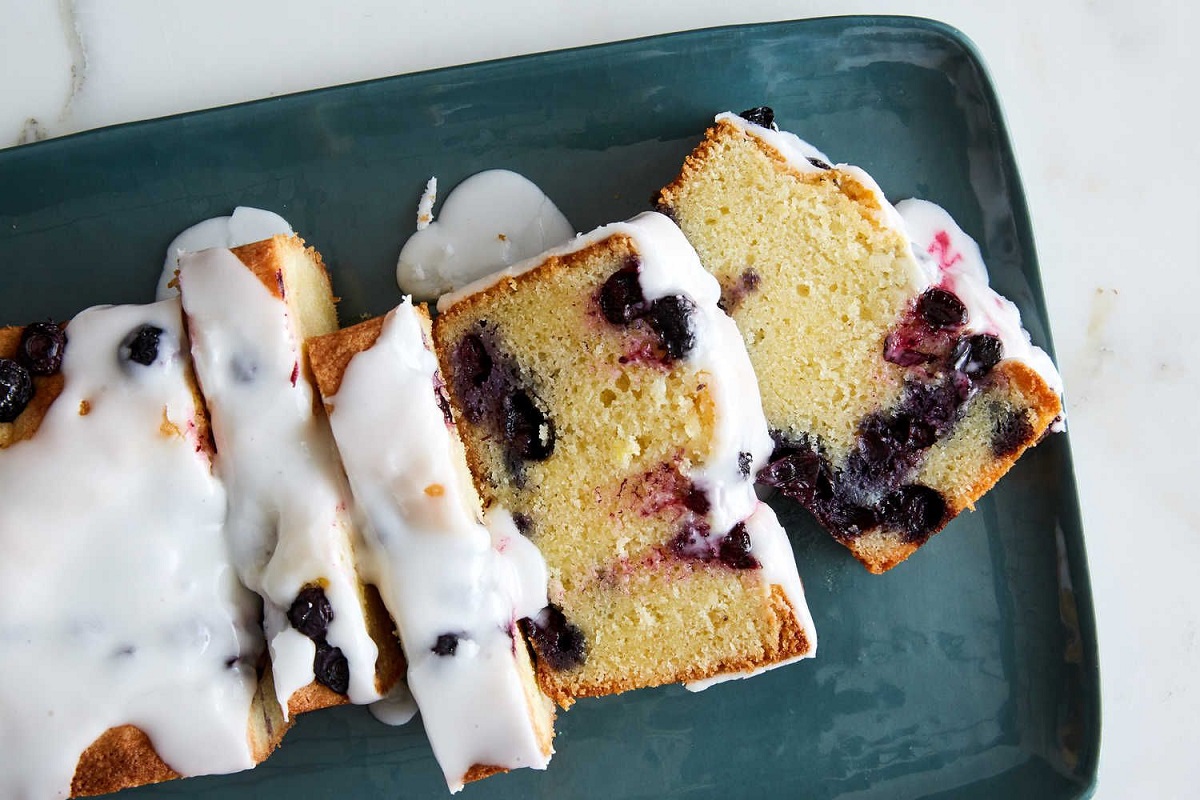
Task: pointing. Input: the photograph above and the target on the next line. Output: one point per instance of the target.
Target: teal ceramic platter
(968, 672)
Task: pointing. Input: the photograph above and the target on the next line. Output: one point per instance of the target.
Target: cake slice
(898, 386)
(455, 592)
(606, 401)
(291, 524)
(130, 650)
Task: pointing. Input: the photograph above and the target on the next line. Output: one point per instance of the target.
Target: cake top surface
(454, 588)
(289, 520)
(129, 612)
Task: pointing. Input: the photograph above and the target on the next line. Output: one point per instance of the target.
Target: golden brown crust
(124, 757)
(120, 758)
(481, 771)
(664, 201)
(330, 354)
(792, 642)
(264, 259)
(1045, 406)
(880, 550)
(314, 697)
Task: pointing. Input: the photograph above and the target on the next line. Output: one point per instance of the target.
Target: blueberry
(696, 500)
(793, 472)
(671, 319)
(847, 520)
(691, 541)
(443, 402)
(446, 644)
(759, 115)
(331, 668)
(243, 368)
(941, 309)
(141, 345)
(621, 299)
(474, 360)
(750, 279)
(935, 403)
(976, 355)
(735, 549)
(41, 348)
(902, 349)
(745, 461)
(16, 389)
(528, 431)
(558, 641)
(524, 523)
(915, 510)
(733, 294)
(311, 612)
(897, 431)
(1010, 432)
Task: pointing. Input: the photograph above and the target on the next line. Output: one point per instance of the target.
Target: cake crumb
(425, 204)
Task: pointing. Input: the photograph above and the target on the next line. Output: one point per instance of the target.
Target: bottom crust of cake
(124, 757)
(792, 643)
(965, 467)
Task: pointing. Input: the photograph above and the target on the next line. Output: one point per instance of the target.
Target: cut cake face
(897, 385)
(606, 401)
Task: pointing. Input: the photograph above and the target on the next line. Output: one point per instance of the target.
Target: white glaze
(290, 518)
(439, 570)
(954, 263)
(952, 260)
(122, 606)
(492, 219)
(244, 226)
(398, 708)
(670, 266)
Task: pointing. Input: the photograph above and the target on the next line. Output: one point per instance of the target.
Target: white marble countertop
(1097, 98)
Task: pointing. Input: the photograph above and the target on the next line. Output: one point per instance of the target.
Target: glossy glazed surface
(970, 671)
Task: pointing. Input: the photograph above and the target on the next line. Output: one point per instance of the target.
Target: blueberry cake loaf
(290, 526)
(131, 653)
(454, 589)
(899, 388)
(608, 404)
